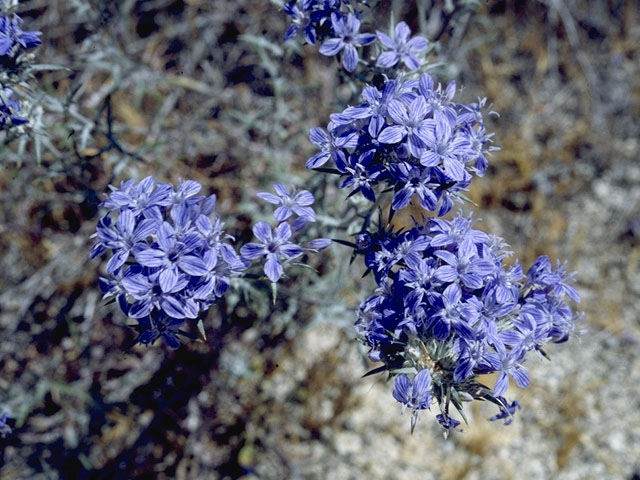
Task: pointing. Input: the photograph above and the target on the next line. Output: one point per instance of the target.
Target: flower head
(445, 301)
(410, 137)
(170, 259)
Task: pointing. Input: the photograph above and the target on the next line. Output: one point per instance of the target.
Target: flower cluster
(170, 256)
(448, 310)
(410, 136)
(340, 29)
(171, 259)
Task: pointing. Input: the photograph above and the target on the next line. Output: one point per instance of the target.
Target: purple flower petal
(350, 58)
(252, 251)
(262, 231)
(392, 134)
(318, 244)
(192, 265)
(331, 47)
(401, 388)
(168, 279)
(304, 198)
(117, 260)
(387, 59)
(290, 250)
(150, 257)
(283, 231)
(273, 268)
(386, 40)
(282, 213)
(269, 197)
(401, 199)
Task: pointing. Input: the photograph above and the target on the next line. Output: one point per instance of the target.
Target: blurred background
(206, 90)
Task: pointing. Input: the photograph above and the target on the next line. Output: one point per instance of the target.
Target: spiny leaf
(332, 171)
(375, 370)
(200, 325)
(344, 242)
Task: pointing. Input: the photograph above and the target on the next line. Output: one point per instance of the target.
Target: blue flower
(317, 244)
(113, 287)
(561, 284)
(509, 365)
(172, 254)
(410, 122)
(505, 284)
(361, 174)
(507, 411)
(400, 47)
(146, 198)
(416, 181)
(185, 193)
(478, 149)
(456, 231)
(148, 294)
(9, 109)
(179, 260)
(445, 297)
(407, 124)
(290, 203)
(471, 356)
(275, 245)
(312, 17)
(153, 327)
(466, 266)
(5, 429)
(445, 148)
(409, 248)
(420, 279)
(221, 265)
(123, 238)
(374, 109)
(346, 38)
(331, 147)
(439, 101)
(450, 311)
(527, 334)
(12, 36)
(415, 395)
(447, 422)
(301, 16)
